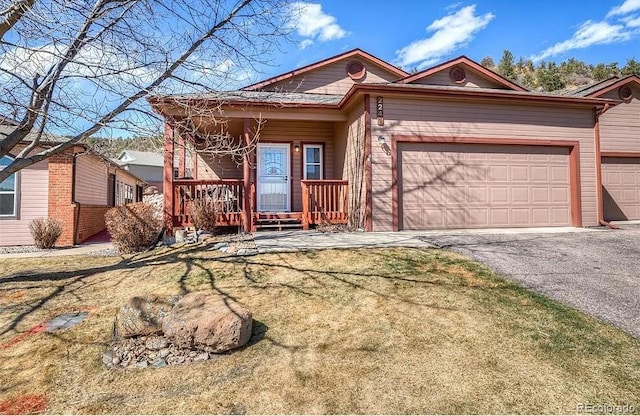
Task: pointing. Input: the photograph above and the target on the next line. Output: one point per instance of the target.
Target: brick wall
(60, 193)
(90, 220)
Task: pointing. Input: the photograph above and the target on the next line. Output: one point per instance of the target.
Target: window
(8, 192)
(312, 155)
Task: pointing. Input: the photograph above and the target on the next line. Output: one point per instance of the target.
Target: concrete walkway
(286, 241)
(85, 249)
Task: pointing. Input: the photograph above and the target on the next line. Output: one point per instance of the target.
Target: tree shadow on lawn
(68, 282)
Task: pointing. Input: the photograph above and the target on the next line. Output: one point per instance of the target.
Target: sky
(419, 34)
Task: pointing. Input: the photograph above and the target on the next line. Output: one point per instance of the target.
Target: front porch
(323, 202)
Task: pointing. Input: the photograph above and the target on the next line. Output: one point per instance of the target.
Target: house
(353, 138)
(145, 165)
(618, 134)
(76, 187)
(148, 166)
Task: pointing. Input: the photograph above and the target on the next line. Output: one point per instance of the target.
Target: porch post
(167, 178)
(182, 156)
(247, 219)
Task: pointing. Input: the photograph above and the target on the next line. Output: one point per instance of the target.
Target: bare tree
(70, 68)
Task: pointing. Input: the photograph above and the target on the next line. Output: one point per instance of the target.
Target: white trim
(287, 154)
(304, 159)
(15, 192)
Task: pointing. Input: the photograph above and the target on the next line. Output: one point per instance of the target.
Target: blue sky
(418, 34)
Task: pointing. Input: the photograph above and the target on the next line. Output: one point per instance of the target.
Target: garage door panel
(498, 173)
(519, 173)
(539, 173)
(621, 188)
(491, 186)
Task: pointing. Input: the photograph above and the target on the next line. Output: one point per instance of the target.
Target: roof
(586, 90)
(476, 92)
(6, 129)
(247, 96)
(359, 53)
(283, 98)
(487, 73)
(611, 84)
(140, 158)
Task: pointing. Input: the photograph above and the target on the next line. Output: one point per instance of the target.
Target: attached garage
(480, 185)
(621, 188)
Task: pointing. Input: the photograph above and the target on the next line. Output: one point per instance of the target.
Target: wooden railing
(324, 202)
(226, 193)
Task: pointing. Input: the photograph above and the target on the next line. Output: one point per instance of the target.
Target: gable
(334, 75)
(462, 72)
(617, 89)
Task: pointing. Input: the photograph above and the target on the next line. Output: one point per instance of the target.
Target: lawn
(341, 331)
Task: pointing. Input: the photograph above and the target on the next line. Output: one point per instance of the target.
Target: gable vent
(356, 70)
(457, 75)
(625, 92)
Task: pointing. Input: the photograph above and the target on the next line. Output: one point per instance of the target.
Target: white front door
(274, 178)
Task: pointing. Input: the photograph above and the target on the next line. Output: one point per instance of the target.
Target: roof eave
(467, 61)
(619, 83)
(364, 88)
(330, 60)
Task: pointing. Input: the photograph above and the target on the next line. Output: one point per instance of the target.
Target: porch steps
(278, 221)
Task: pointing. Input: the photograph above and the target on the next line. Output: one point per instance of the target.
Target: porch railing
(227, 194)
(324, 201)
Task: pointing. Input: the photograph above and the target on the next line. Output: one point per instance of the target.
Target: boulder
(208, 322)
(143, 315)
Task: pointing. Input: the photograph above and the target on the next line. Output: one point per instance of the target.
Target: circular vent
(457, 75)
(356, 70)
(625, 92)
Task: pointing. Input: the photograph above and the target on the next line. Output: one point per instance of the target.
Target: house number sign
(380, 111)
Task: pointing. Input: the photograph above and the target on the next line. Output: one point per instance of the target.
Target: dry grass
(349, 331)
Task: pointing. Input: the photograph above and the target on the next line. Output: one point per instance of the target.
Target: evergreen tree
(631, 68)
(506, 68)
(487, 62)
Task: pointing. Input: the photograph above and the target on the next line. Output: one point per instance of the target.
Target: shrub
(133, 227)
(204, 212)
(45, 232)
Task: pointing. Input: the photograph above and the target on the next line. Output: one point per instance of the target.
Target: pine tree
(506, 68)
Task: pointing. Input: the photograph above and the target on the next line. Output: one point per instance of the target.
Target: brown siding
(349, 157)
(460, 119)
(301, 132)
(332, 79)
(620, 125)
(34, 185)
(472, 80)
(91, 180)
(222, 167)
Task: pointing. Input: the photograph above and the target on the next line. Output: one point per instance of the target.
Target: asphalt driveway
(597, 271)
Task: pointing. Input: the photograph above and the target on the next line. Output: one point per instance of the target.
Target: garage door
(621, 188)
(474, 186)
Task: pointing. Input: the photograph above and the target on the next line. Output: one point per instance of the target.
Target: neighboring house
(454, 146)
(145, 165)
(76, 187)
(148, 166)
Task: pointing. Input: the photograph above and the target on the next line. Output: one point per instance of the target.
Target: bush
(133, 227)
(45, 232)
(204, 212)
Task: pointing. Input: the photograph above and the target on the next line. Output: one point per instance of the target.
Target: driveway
(596, 271)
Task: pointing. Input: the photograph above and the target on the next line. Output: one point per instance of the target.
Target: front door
(273, 178)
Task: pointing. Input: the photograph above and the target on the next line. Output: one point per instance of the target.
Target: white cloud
(632, 21)
(588, 34)
(627, 7)
(306, 43)
(312, 23)
(449, 33)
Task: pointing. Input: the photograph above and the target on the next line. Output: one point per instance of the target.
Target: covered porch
(289, 175)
